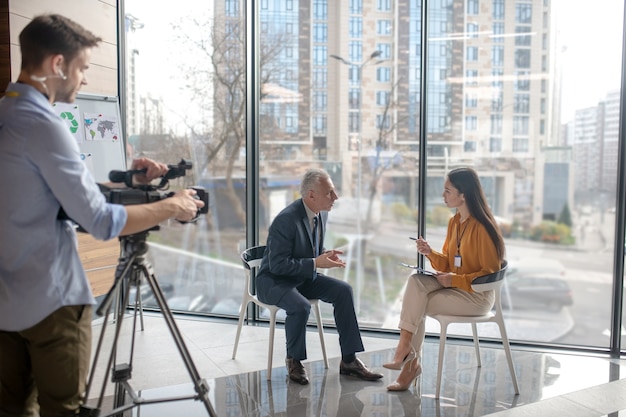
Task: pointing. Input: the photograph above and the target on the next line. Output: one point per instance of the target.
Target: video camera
(141, 194)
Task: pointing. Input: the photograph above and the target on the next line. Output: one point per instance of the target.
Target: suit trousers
(425, 296)
(43, 369)
(330, 290)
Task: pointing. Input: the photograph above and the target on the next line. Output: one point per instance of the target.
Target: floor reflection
(466, 389)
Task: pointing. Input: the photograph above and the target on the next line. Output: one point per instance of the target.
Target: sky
(160, 57)
(592, 61)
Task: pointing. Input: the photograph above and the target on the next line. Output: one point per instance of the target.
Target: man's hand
(186, 205)
(153, 170)
(329, 259)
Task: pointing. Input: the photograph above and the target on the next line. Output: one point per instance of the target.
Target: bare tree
(381, 161)
(216, 80)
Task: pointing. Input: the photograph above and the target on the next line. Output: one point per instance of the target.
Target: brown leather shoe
(296, 371)
(358, 369)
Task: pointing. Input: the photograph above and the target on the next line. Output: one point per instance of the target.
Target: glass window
(522, 58)
(471, 100)
(385, 50)
(495, 144)
(383, 5)
(497, 55)
(382, 98)
(521, 103)
(383, 27)
(383, 74)
(523, 13)
(472, 7)
(356, 27)
(543, 136)
(522, 36)
(320, 32)
(469, 146)
(320, 9)
(498, 32)
(498, 9)
(471, 53)
(356, 6)
(471, 122)
(520, 145)
(471, 29)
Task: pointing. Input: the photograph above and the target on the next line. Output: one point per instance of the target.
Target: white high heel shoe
(398, 365)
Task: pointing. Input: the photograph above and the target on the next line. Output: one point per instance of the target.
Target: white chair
(480, 284)
(251, 259)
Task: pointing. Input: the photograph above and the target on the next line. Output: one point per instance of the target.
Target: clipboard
(419, 270)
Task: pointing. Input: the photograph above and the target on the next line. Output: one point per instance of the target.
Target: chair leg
(270, 353)
(476, 344)
(242, 313)
(509, 357)
(320, 330)
(442, 346)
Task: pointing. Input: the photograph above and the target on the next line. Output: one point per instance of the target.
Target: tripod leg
(201, 386)
(117, 293)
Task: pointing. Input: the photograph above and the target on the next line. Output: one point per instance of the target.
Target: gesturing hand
(329, 259)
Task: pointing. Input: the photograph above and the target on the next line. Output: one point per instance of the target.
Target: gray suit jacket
(288, 258)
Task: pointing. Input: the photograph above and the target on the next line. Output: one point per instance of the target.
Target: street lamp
(359, 244)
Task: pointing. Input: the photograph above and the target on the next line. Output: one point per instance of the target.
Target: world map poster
(99, 127)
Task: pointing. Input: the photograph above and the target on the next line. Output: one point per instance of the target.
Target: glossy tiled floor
(551, 384)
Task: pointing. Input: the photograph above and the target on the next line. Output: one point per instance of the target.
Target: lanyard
(458, 238)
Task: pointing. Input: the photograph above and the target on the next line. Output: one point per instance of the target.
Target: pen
(412, 238)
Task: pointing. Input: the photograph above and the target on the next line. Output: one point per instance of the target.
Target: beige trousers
(425, 296)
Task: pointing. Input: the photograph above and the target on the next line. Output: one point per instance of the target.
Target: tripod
(131, 268)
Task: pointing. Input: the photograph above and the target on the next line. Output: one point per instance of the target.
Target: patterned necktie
(315, 245)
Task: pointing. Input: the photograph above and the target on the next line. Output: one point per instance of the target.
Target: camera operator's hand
(153, 170)
(188, 205)
(181, 206)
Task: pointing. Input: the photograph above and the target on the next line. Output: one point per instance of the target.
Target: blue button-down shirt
(40, 172)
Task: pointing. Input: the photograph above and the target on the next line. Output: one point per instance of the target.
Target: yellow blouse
(478, 253)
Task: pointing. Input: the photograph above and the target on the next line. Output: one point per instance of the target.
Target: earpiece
(42, 79)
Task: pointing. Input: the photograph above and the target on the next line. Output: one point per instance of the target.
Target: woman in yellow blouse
(473, 247)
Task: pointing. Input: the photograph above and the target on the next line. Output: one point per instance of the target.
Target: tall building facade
(342, 85)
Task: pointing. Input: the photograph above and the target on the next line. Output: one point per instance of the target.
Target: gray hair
(311, 178)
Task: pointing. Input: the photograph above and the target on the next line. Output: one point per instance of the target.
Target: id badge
(457, 261)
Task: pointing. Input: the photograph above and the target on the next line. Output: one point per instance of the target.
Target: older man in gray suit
(288, 277)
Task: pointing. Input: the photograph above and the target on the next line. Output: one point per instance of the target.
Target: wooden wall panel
(95, 15)
(99, 260)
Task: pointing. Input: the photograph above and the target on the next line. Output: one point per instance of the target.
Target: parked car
(539, 291)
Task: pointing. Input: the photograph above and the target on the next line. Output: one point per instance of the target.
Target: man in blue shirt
(45, 298)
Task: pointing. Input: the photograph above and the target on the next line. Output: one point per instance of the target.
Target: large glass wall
(185, 98)
(513, 88)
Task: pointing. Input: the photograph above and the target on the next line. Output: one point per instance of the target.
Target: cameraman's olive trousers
(43, 369)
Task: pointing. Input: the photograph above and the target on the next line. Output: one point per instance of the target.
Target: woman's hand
(422, 246)
(445, 279)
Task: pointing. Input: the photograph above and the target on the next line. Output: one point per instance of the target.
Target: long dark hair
(466, 181)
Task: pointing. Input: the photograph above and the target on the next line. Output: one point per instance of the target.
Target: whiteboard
(96, 125)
